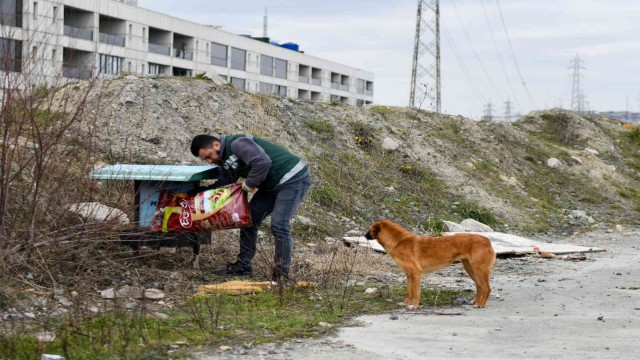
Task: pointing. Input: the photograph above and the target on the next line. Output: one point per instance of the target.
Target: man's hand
(180, 195)
(247, 188)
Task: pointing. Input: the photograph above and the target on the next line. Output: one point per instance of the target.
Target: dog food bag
(226, 207)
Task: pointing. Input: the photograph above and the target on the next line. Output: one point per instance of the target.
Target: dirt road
(539, 309)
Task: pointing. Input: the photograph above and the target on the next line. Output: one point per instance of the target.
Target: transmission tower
(488, 112)
(507, 110)
(425, 72)
(577, 96)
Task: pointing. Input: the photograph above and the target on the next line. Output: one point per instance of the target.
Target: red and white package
(226, 207)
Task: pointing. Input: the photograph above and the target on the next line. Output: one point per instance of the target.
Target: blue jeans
(281, 203)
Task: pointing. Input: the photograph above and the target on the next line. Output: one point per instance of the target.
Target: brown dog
(424, 254)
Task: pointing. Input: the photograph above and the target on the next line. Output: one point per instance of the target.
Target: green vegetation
(320, 126)
(213, 320)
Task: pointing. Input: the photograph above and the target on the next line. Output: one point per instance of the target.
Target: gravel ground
(539, 309)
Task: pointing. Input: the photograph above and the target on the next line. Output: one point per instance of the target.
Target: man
(279, 180)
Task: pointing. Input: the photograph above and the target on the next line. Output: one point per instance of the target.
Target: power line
(465, 70)
(484, 70)
(495, 44)
(513, 55)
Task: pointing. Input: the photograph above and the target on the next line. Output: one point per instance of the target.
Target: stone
(108, 294)
(353, 233)
(475, 226)
(451, 226)
(553, 163)
(591, 151)
(97, 212)
(45, 336)
(577, 160)
(305, 220)
(153, 294)
(370, 290)
(132, 292)
(389, 144)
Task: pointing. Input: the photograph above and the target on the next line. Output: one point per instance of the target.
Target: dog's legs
(413, 285)
(407, 298)
(481, 269)
(467, 266)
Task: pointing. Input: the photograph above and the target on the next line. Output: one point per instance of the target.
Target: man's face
(210, 154)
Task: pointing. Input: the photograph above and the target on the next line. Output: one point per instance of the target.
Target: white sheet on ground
(502, 244)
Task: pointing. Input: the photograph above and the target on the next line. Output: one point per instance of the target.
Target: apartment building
(81, 39)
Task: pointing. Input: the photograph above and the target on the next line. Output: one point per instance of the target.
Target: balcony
(183, 54)
(76, 73)
(369, 92)
(344, 87)
(78, 33)
(335, 86)
(160, 49)
(315, 81)
(303, 79)
(117, 40)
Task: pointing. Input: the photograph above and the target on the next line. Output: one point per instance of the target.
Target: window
(55, 14)
(219, 55)
(10, 55)
(280, 90)
(281, 68)
(238, 59)
(155, 69)
(35, 10)
(11, 13)
(266, 88)
(110, 65)
(266, 65)
(130, 32)
(237, 82)
(144, 35)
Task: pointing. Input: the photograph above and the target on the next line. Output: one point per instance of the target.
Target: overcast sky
(377, 36)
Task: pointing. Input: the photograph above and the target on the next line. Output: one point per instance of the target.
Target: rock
(591, 151)
(451, 226)
(393, 317)
(354, 233)
(324, 324)
(390, 189)
(131, 77)
(94, 309)
(389, 144)
(475, 226)
(577, 160)
(224, 347)
(576, 214)
(161, 316)
(213, 76)
(132, 292)
(305, 220)
(619, 228)
(460, 301)
(153, 294)
(370, 290)
(63, 301)
(108, 294)
(553, 163)
(45, 336)
(97, 212)
(51, 357)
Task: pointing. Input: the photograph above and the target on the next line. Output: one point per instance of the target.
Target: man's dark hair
(202, 142)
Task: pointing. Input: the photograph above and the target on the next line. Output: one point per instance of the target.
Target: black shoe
(281, 277)
(235, 268)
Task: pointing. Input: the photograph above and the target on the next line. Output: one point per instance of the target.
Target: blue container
(291, 46)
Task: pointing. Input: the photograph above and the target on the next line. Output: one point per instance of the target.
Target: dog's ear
(373, 231)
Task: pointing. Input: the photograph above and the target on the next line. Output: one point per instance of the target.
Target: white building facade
(81, 39)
